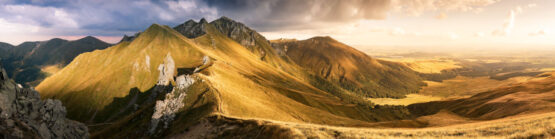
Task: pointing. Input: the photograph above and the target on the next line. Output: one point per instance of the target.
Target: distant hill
(535, 96)
(353, 70)
(162, 82)
(5, 49)
(26, 61)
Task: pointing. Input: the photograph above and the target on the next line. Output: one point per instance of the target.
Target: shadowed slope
(5, 49)
(350, 68)
(25, 62)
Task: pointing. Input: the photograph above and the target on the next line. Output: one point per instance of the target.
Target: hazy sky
(444, 23)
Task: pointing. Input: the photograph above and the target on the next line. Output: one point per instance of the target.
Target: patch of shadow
(132, 102)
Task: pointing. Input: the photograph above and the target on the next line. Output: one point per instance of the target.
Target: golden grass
(246, 86)
(538, 125)
(51, 69)
(410, 99)
(547, 69)
(431, 65)
(462, 86)
(112, 72)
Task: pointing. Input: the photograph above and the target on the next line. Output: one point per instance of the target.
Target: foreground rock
(24, 115)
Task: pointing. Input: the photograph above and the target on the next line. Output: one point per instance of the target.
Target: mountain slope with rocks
(24, 115)
(162, 82)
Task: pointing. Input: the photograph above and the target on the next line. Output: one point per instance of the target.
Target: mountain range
(26, 62)
(222, 79)
(171, 77)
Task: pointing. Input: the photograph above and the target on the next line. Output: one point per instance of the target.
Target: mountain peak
(89, 38)
(192, 29)
(154, 27)
(203, 21)
(224, 18)
(323, 38)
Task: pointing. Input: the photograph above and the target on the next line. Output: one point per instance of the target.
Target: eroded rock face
(165, 110)
(24, 115)
(237, 31)
(192, 29)
(167, 71)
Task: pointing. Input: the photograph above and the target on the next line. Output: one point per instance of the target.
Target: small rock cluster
(24, 115)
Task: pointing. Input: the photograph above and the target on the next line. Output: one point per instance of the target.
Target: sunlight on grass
(431, 65)
(410, 99)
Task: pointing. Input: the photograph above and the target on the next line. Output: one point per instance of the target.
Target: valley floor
(526, 126)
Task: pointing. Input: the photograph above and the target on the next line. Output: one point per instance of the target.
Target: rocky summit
(24, 115)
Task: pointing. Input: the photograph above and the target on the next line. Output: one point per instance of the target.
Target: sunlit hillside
(111, 88)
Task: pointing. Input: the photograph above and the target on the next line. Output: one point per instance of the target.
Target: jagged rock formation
(237, 31)
(192, 29)
(165, 110)
(24, 115)
(232, 29)
(167, 69)
(129, 38)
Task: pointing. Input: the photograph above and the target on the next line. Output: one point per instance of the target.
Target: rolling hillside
(534, 96)
(351, 69)
(26, 62)
(131, 84)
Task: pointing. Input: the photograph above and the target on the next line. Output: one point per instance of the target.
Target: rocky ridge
(237, 31)
(24, 115)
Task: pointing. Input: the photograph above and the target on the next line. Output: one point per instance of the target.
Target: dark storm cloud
(112, 17)
(102, 17)
(283, 14)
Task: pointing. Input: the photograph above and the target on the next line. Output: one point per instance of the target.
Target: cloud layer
(118, 17)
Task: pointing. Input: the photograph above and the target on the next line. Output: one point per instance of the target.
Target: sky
(364, 23)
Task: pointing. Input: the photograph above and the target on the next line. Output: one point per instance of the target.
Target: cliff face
(24, 115)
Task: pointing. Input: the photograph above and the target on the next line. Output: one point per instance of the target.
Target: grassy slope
(93, 79)
(240, 83)
(533, 96)
(351, 69)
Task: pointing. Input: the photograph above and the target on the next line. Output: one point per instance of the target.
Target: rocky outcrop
(166, 109)
(166, 71)
(192, 29)
(236, 31)
(24, 115)
(129, 38)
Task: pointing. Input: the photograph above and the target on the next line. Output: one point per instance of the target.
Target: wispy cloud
(539, 32)
(507, 26)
